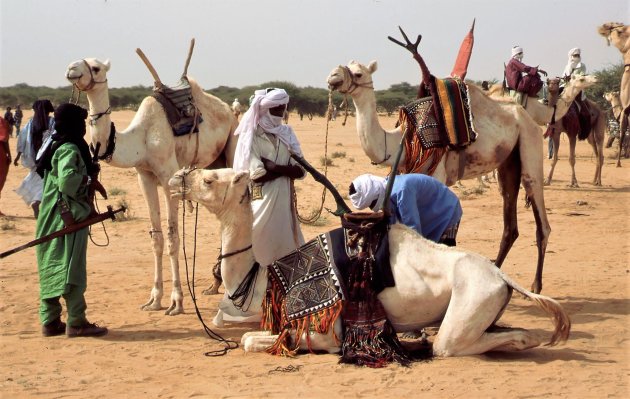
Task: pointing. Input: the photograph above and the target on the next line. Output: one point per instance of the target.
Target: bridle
(348, 75)
(111, 140)
(93, 82)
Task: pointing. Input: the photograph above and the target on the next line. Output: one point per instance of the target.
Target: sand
(149, 354)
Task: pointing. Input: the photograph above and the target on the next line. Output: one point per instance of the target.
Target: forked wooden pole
(190, 51)
(149, 66)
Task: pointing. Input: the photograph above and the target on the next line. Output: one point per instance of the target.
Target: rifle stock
(109, 214)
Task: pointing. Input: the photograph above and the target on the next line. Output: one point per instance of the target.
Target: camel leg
(622, 133)
(477, 304)
(572, 143)
(554, 161)
(532, 180)
(599, 135)
(148, 185)
(509, 184)
(177, 297)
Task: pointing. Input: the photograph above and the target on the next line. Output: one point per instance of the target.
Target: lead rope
(229, 344)
(318, 213)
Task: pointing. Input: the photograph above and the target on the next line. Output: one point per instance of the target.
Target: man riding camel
(522, 80)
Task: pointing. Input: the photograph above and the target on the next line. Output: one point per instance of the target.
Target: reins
(229, 344)
(317, 214)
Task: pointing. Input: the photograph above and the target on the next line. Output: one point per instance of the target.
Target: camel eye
(358, 75)
(96, 69)
(208, 181)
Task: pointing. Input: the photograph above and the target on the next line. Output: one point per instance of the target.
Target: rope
(318, 213)
(229, 344)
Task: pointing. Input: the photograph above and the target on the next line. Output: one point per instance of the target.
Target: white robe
(32, 186)
(276, 231)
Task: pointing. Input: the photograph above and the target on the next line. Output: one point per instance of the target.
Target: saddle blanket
(179, 106)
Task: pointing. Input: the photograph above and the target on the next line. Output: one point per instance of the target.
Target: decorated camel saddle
(177, 100)
(440, 118)
(338, 273)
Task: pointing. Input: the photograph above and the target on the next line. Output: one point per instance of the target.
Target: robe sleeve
(70, 170)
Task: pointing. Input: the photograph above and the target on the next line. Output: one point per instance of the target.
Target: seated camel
(464, 292)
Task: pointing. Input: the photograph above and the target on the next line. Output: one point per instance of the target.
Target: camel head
(347, 79)
(219, 190)
(612, 97)
(576, 85)
(86, 73)
(614, 32)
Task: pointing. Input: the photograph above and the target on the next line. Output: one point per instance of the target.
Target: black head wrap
(41, 109)
(69, 128)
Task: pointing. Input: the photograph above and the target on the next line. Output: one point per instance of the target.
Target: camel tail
(558, 315)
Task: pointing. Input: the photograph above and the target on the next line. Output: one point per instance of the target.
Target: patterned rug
(179, 106)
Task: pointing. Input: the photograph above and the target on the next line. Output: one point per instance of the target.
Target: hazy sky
(247, 42)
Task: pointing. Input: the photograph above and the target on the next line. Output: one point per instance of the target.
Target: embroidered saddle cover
(435, 123)
(309, 290)
(178, 103)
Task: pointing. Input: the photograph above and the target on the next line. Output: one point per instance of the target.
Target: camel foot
(619, 164)
(547, 182)
(177, 307)
(153, 305)
(536, 287)
(212, 290)
(574, 185)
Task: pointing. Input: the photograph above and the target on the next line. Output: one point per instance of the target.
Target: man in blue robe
(418, 201)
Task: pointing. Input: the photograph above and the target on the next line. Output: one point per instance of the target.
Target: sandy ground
(149, 354)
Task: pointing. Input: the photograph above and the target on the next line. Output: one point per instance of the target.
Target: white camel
(508, 140)
(149, 146)
(433, 283)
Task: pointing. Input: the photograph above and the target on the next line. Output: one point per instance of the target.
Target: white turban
(368, 188)
(516, 50)
(573, 51)
(258, 115)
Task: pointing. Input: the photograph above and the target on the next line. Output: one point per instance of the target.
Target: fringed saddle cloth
(434, 124)
(337, 273)
(179, 105)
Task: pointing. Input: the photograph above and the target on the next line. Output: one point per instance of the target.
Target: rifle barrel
(109, 214)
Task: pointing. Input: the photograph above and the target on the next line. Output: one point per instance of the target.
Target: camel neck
(378, 144)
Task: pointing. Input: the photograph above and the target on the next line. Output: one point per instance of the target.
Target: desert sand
(149, 354)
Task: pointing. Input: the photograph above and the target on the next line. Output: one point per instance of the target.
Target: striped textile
(452, 95)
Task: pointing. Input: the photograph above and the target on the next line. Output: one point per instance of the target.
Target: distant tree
(608, 79)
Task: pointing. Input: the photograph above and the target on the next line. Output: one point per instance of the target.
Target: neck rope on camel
(111, 140)
(246, 288)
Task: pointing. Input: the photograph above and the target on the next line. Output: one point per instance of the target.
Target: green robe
(62, 261)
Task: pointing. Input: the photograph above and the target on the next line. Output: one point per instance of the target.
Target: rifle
(342, 208)
(67, 230)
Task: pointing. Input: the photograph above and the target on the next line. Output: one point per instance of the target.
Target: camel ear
(240, 176)
(107, 64)
(372, 66)
(351, 62)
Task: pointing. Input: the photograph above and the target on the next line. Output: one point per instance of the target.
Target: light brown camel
(460, 290)
(508, 139)
(149, 146)
(542, 114)
(595, 138)
(615, 103)
(619, 35)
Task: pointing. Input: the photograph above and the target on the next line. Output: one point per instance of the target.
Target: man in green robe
(69, 178)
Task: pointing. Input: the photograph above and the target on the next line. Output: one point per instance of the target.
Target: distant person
(5, 154)
(522, 80)
(236, 108)
(8, 116)
(418, 201)
(37, 130)
(17, 116)
(579, 107)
